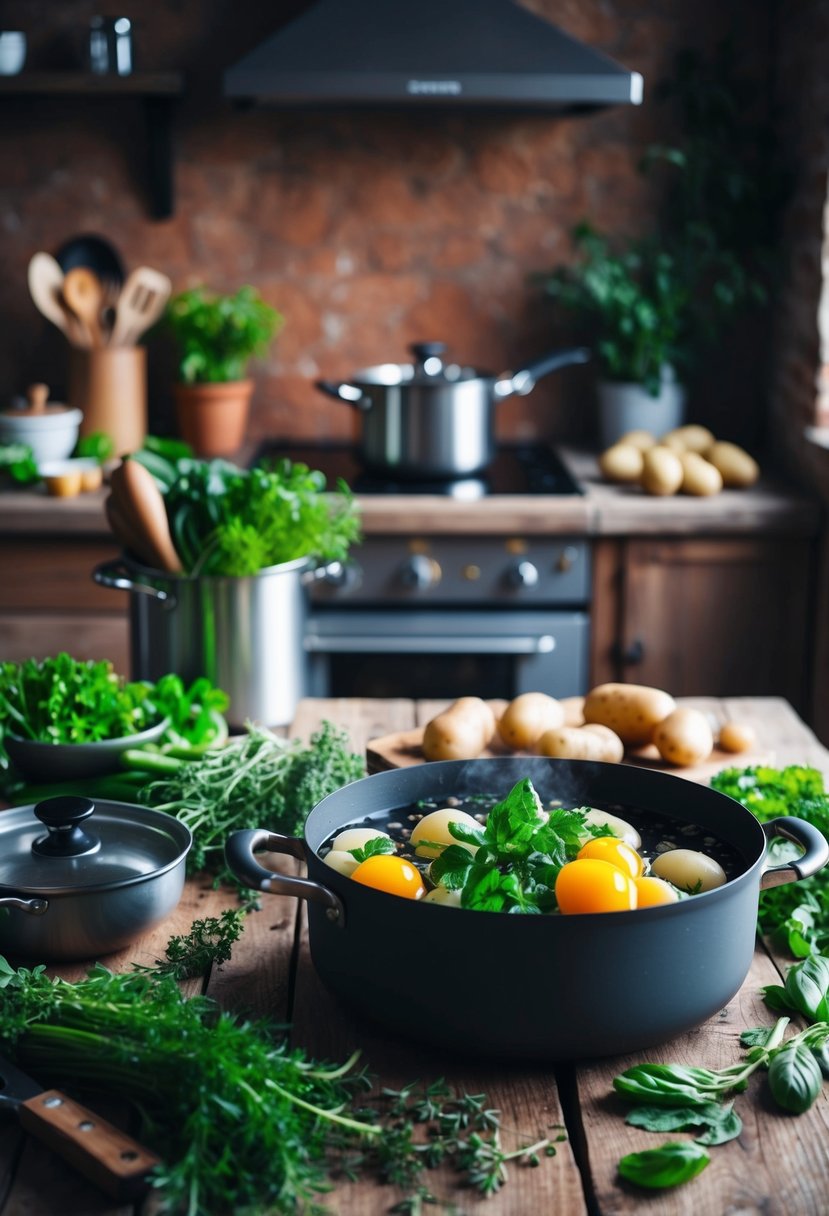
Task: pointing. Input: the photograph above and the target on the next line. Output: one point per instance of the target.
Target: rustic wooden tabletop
(779, 1165)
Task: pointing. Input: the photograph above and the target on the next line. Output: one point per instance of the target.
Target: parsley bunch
(519, 854)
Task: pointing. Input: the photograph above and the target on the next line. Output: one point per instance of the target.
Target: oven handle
(433, 644)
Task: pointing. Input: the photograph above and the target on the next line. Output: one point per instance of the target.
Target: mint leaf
(373, 848)
(452, 867)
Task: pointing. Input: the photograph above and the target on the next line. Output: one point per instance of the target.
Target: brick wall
(367, 231)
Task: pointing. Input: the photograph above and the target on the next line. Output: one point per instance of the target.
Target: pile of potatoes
(688, 460)
(600, 726)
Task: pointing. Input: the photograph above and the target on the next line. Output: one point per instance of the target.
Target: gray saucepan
(526, 986)
(79, 879)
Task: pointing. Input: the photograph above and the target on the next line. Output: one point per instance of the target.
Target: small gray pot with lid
(79, 879)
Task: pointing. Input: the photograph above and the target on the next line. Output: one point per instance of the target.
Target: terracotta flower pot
(213, 418)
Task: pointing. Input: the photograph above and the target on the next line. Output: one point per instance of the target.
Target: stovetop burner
(531, 468)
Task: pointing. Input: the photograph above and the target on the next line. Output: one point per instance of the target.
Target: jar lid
(70, 843)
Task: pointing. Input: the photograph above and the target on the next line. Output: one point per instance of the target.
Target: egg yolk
(591, 885)
(396, 876)
(650, 892)
(619, 854)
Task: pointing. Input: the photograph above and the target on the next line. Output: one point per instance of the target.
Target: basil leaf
(821, 1054)
(373, 848)
(756, 1036)
(719, 1123)
(807, 985)
(468, 835)
(795, 1079)
(667, 1085)
(658, 1168)
(452, 867)
(776, 998)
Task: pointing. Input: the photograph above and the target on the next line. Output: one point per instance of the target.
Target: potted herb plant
(654, 304)
(217, 336)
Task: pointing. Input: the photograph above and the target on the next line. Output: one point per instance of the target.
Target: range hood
(451, 53)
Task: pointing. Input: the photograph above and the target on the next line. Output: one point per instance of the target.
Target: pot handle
(239, 855)
(523, 381)
(349, 393)
(35, 907)
(117, 574)
(812, 841)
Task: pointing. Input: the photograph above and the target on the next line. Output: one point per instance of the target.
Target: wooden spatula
(140, 304)
(83, 295)
(140, 514)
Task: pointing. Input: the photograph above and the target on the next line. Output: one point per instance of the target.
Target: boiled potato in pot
(433, 829)
(684, 737)
(527, 717)
(689, 870)
(630, 710)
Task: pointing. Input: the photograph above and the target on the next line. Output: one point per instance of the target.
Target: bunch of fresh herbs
(225, 520)
(18, 460)
(65, 700)
(219, 334)
(244, 1122)
(519, 853)
(795, 915)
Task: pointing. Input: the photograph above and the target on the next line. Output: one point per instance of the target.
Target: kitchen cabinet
(48, 601)
(716, 616)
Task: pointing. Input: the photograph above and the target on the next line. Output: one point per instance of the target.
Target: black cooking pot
(430, 419)
(528, 986)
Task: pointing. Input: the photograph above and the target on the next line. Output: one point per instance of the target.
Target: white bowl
(51, 435)
(12, 52)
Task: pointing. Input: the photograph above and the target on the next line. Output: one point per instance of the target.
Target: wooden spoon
(83, 294)
(45, 285)
(139, 509)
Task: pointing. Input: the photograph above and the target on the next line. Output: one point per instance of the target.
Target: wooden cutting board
(404, 748)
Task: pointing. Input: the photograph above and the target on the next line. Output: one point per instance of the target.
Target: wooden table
(779, 1166)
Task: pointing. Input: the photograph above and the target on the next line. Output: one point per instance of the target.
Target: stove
(452, 614)
(530, 468)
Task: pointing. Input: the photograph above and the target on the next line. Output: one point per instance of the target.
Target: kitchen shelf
(158, 92)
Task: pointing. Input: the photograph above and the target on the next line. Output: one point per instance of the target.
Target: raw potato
(461, 732)
(738, 469)
(661, 471)
(737, 737)
(573, 710)
(684, 737)
(689, 870)
(527, 718)
(581, 743)
(622, 462)
(699, 476)
(434, 828)
(631, 710)
(638, 439)
(690, 438)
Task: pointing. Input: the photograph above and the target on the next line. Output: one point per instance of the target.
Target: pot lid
(427, 369)
(70, 843)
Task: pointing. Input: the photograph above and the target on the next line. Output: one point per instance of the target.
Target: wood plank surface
(779, 1165)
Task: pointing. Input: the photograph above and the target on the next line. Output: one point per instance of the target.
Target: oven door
(446, 653)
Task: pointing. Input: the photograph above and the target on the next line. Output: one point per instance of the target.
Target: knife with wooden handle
(106, 1156)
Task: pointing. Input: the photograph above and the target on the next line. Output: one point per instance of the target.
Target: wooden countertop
(602, 510)
(779, 1165)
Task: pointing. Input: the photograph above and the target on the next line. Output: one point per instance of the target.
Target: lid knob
(63, 816)
(38, 395)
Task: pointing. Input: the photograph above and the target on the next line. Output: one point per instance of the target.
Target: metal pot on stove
(430, 418)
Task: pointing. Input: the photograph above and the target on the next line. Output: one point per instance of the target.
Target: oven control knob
(522, 574)
(420, 572)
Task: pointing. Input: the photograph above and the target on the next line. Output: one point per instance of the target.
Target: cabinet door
(716, 617)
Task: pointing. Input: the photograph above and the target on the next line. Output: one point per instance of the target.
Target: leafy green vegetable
(805, 989)
(520, 851)
(208, 943)
(658, 1168)
(719, 1121)
(243, 1122)
(373, 848)
(795, 915)
(97, 444)
(218, 335)
(18, 460)
(795, 1078)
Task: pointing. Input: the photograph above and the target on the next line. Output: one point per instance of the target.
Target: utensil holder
(110, 385)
